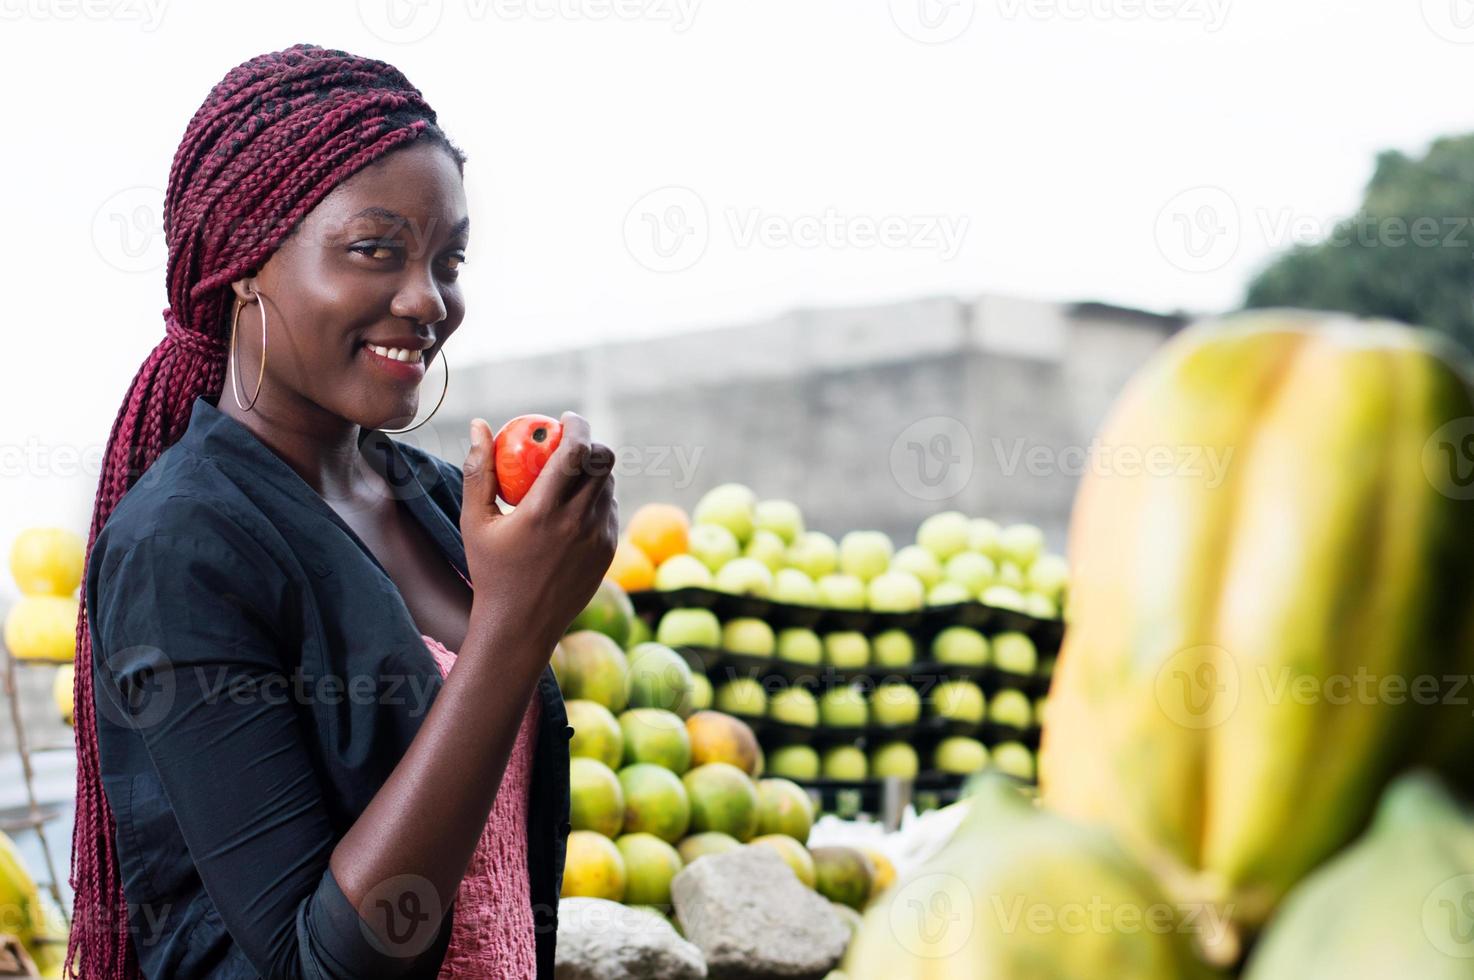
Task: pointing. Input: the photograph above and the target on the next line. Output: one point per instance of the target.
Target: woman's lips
(398, 370)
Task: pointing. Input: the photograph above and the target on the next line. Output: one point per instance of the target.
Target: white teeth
(397, 353)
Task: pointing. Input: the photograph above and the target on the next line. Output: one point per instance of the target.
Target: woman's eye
(454, 262)
(376, 250)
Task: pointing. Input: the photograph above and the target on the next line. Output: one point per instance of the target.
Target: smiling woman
(401, 810)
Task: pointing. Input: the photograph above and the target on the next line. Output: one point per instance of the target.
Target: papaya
(1394, 904)
(1266, 561)
(1019, 891)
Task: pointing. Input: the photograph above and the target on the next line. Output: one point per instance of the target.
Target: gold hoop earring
(446, 364)
(235, 361)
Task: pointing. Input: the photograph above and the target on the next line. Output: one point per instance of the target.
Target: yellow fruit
(62, 691)
(594, 868)
(47, 561)
(660, 531)
(42, 627)
(631, 567)
(1020, 892)
(885, 871)
(1275, 526)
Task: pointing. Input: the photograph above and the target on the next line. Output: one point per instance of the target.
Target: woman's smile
(402, 363)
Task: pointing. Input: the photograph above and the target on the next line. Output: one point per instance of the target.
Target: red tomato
(521, 450)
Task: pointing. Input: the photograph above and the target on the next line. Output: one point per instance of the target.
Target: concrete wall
(841, 410)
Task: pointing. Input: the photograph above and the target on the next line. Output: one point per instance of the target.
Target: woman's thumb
(479, 486)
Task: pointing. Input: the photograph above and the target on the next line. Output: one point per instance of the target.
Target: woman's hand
(541, 563)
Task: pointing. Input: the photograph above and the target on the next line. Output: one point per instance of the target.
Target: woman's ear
(245, 288)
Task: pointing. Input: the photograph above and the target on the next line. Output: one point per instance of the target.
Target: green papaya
(1022, 892)
(1397, 903)
(1272, 586)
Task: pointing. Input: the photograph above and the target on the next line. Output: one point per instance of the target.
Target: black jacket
(256, 678)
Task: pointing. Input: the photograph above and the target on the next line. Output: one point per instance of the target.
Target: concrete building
(871, 417)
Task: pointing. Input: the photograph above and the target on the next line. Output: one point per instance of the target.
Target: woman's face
(373, 265)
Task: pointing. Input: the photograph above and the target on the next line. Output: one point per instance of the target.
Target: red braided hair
(270, 141)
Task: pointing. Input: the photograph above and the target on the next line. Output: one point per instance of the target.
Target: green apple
(919, 562)
(800, 646)
(946, 593)
(794, 587)
(983, 537)
(1012, 708)
(742, 696)
(1015, 653)
(782, 517)
(960, 645)
(1010, 575)
(814, 553)
(972, 571)
(713, 545)
(959, 701)
(1021, 544)
(846, 649)
(658, 677)
(865, 554)
(1014, 759)
(838, 591)
(843, 707)
(639, 633)
(1049, 575)
(1003, 597)
(731, 505)
(944, 534)
(689, 628)
(682, 572)
(895, 591)
(1040, 607)
(744, 576)
(894, 704)
(1040, 703)
(959, 755)
(748, 635)
(844, 762)
(894, 759)
(794, 762)
(700, 692)
(893, 648)
(767, 548)
(794, 706)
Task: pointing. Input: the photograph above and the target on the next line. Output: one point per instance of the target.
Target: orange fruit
(660, 531)
(631, 567)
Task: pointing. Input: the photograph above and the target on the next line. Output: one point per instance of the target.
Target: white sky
(1049, 148)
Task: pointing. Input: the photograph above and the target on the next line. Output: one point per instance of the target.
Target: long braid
(271, 140)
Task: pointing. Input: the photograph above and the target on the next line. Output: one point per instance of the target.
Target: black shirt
(257, 677)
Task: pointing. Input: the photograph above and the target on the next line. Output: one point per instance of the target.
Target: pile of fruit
(854, 660)
(1259, 729)
(41, 627)
(657, 783)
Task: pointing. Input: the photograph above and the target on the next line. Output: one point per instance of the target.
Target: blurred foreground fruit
(1394, 904)
(1206, 705)
(520, 450)
(1021, 892)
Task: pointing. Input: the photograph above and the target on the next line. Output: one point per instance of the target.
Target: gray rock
(599, 940)
(754, 920)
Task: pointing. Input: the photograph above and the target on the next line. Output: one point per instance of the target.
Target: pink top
(492, 931)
